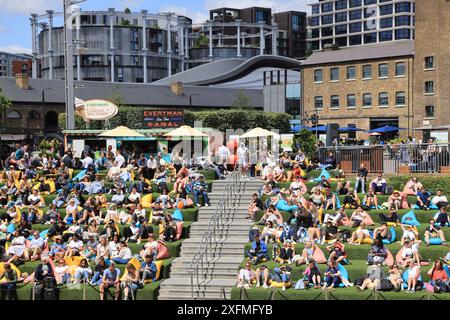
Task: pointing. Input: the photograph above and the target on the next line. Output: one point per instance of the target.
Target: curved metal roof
(226, 70)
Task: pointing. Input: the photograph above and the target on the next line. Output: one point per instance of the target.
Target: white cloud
(30, 6)
(276, 5)
(196, 16)
(15, 49)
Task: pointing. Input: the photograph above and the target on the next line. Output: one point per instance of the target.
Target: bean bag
(431, 206)
(338, 202)
(135, 263)
(367, 241)
(146, 201)
(52, 185)
(405, 278)
(279, 285)
(43, 234)
(410, 219)
(398, 258)
(323, 173)
(344, 274)
(389, 259)
(435, 241)
(282, 205)
(163, 251)
(177, 215)
(73, 261)
(318, 255)
(70, 173)
(11, 228)
(393, 236)
(2, 269)
(447, 270)
(80, 175)
(179, 230)
(391, 224)
(18, 216)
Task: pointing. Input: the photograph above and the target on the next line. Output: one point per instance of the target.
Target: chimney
(177, 88)
(22, 81)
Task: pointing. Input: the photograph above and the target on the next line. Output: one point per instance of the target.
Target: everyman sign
(163, 118)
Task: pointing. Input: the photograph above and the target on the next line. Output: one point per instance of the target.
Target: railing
(399, 158)
(215, 234)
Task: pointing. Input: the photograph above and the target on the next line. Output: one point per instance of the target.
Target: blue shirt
(111, 276)
(423, 196)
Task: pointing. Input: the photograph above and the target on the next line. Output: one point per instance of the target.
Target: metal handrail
(214, 235)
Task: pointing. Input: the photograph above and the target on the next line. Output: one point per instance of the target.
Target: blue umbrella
(386, 129)
(299, 128)
(318, 128)
(350, 129)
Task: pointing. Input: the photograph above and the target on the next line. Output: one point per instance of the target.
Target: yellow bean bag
(19, 216)
(137, 265)
(391, 224)
(366, 241)
(52, 185)
(274, 284)
(6, 246)
(37, 186)
(146, 201)
(320, 214)
(2, 269)
(73, 261)
(70, 173)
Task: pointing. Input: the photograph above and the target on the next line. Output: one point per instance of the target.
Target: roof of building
(226, 70)
(366, 52)
(132, 93)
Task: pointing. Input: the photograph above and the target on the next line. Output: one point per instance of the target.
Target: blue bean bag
(43, 234)
(412, 221)
(10, 228)
(435, 241)
(80, 175)
(431, 206)
(447, 270)
(393, 236)
(405, 278)
(282, 205)
(338, 202)
(323, 173)
(344, 274)
(177, 215)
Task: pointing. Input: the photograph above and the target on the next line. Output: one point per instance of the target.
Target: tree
(127, 10)
(116, 97)
(202, 41)
(242, 101)
(306, 141)
(5, 103)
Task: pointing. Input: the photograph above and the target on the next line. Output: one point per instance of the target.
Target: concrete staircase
(221, 273)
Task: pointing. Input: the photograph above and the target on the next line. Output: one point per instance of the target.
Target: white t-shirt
(76, 244)
(437, 199)
(120, 160)
(223, 152)
(87, 162)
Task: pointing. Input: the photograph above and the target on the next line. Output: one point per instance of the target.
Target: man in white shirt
(223, 153)
(439, 199)
(87, 161)
(120, 160)
(35, 248)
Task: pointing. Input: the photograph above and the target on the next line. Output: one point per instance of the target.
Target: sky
(15, 29)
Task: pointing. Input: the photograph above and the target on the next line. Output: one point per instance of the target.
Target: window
(295, 22)
(383, 99)
(367, 71)
(314, 21)
(355, 27)
(400, 98)
(402, 7)
(402, 21)
(385, 23)
(341, 4)
(429, 62)
(315, 33)
(429, 111)
(315, 9)
(385, 36)
(367, 99)
(340, 29)
(327, 31)
(341, 42)
(318, 75)
(355, 40)
(34, 115)
(400, 69)
(386, 9)
(327, 19)
(351, 101)
(334, 74)
(351, 73)
(355, 3)
(370, 37)
(318, 102)
(355, 15)
(334, 102)
(429, 87)
(383, 70)
(13, 115)
(367, 2)
(340, 17)
(402, 34)
(327, 7)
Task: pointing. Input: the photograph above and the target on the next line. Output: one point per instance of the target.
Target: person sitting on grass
(373, 278)
(124, 255)
(350, 199)
(201, 188)
(358, 217)
(336, 218)
(360, 235)
(412, 187)
(332, 276)
(410, 252)
(330, 232)
(413, 275)
(313, 273)
(306, 255)
(437, 273)
(433, 231)
(442, 218)
(131, 283)
(439, 200)
(8, 284)
(246, 276)
(378, 253)
(410, 233)
(395, 201)
(17, 247)
(299, 186)
(35, 247)
(262, 275)
(379, 184)
(395, 277)
(255, 206)
(148, 269)
(111, 278)
(329, 200)
(392, 216)
(337, 252)
(268, 233)
(83, 272)
(271, 214)
(423, 199)
(286, 252)
(381, 232)
(258, 251)
(370, 199)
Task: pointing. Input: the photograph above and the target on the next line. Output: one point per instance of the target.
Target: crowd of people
(330, 210)
(78, 217)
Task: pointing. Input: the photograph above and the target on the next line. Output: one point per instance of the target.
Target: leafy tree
(306, 141)
(202, 41)
(127, 10)
(5, 104)
(242, 101)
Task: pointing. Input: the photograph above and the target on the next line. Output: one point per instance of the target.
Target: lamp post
(43, 109)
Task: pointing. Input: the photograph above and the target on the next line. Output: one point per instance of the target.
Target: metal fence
(399, 158)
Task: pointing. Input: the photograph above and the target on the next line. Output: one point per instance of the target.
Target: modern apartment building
(367, 86)
(7, 61)
(347, 23)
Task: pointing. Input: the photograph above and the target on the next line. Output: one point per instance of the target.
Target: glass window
(367, 71)
(370, 12)
(402, 7)
(295, 22)
(402, 21)
(400, 69)
(314, 21)
(402, 34)
(351, 73)
(341, 4)
(370, 37)
(318, 102)
(386, 9)
(429, 111)
(355, 3)
(334, 74)
(315, 9)
(367, 2)
(327, 7)
(293, 91)
(340, 29)
(370, 25)
(400, 98)
(341, 42)
(429, 87)
(340, 17)
(429, 62)
(383, 70)
(355, 40)
(334, 102)
(327, 19)
(367, 99)
(315, 33)
(385, 36)
(318, 75)
(383, 99)
(355, 15)
(351, 101)
(259, 16)
(327, 31)
(355, 27)
(14, 115)
(386, 23)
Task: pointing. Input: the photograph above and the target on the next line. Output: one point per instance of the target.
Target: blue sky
(15, 30)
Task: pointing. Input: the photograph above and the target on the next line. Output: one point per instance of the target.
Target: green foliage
(127, 10)
(5, 102)
(306, 141)
(49, 147)
(242, 101)
(308, 53)
(202, 41)
(116, 97)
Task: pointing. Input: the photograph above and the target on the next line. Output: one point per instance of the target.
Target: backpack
(386, 285)
(346, 234)
(440, 286)
(389, 189)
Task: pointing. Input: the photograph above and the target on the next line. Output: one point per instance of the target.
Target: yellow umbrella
(185, 131)
(121, 131)
(258, 132)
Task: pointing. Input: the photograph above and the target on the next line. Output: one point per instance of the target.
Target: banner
(163, 119)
